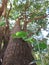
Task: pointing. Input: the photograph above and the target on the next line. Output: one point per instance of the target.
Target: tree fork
(18, 51)
(30, 20)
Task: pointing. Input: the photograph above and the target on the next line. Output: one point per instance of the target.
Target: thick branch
(36, 18)
(40, 17)
(16, 26)
(4, 6)
(9, 11)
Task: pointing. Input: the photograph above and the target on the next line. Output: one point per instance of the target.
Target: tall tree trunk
(4, 38)
(18, 51)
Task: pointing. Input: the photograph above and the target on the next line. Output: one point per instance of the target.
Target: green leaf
(2, 23)
(30, 40)
(42, 46)
(20, 34)
(37, 6)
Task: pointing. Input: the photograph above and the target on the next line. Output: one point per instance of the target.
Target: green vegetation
(34, 14)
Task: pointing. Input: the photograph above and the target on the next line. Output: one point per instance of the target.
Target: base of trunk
(18, 52)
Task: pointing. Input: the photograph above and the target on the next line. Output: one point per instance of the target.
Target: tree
(18, 49)
(4, 29)
(24, 12)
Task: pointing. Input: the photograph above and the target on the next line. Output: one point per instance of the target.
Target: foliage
(2, 23)
(20, 34)
(32, 9)
(36, 8)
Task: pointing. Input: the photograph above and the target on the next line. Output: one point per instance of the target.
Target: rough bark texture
(3, 7)
(4, 37)
(18, 51)
(1, 31)
(1, 38)
(5, 40)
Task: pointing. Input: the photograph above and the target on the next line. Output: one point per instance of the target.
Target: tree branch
(9, 11)
(30, 20)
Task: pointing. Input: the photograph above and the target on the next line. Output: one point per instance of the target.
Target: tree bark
(18, 51)
(4, 39)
